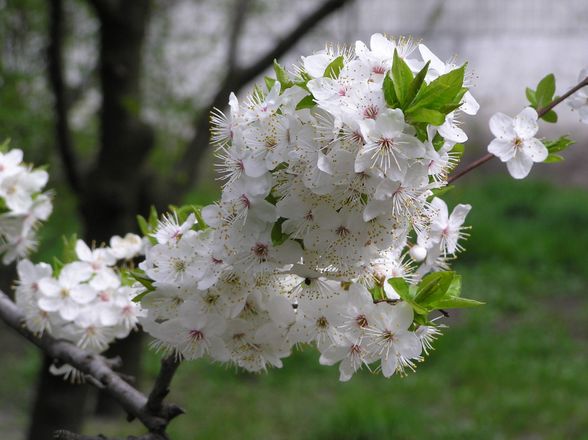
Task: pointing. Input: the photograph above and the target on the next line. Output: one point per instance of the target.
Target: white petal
(502, 127)
(519, 166)
(525, 123)
(535, 149)
(503, 149)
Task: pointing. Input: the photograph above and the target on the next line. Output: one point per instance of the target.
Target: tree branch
(61, 104)
(235, 79)
(241, 7)
(540, 112)
(155, 417)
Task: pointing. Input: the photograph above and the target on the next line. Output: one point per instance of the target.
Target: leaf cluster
(436, 291)
(542, 96)
(423, 103)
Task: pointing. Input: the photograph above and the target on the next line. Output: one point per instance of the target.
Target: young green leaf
(557, 145)
(416, 84)
(454, 302)
(282, 76)
(427, 116)
(550, 116)
(434, 287)
(530, 93)
(389, 93)
(545, 91)
(334, 68)
(306, 102)
(278, 236)
(402, 78)
(441, 91)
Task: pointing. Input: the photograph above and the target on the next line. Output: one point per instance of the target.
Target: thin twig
(541, 112)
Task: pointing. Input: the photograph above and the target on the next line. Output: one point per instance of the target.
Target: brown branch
(540, 113)
(235, 79)
(58, 86)
(62, 434)
(160, 389)
(241, 7)
(155, 417)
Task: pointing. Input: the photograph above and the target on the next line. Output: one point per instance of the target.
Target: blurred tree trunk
(58, 404)
(114, 190)
(112, 193)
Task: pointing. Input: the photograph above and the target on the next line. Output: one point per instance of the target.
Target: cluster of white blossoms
(23, 205)
(86, 301)
(328, 221)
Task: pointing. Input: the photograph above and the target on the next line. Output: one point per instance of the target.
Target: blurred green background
(514, 368)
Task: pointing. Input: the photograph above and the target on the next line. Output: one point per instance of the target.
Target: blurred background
(114, 96)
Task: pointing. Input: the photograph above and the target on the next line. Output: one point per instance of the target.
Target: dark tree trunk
(59, 405)
(114, 191)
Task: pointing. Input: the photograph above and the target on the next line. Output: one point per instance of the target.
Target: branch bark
(155, 416)
(541, 112)
(235, 79)
(59, 88)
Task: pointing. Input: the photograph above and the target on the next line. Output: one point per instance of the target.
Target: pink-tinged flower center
(309, 216)
(240, 165)
(127, 311)
(386, 144)
(260, 250)
(196, 335)
(216, 260)
(104, 296)
(371, 112)
(342, 91)
(357, 137)
(380, 70)
(355, 349)
(245, 201)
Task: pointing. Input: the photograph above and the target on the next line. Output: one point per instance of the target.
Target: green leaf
(545, 91)
(550, 116)
(389, 93)
(306, 102)
(416, 84)
(69, 248)
(269, 82)
(531, 96)
(282, 76)
(143, 225)
(553, 158)
(407, 293)
(278, 236)
(441, 91)
(5, 146)
(140, 296)
(454, 302)
(427, 116)
(334, 68)
(402, 78)
(438, 192)
(433, 287)
(556, 145)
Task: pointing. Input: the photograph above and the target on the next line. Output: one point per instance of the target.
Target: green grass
(514, 368)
